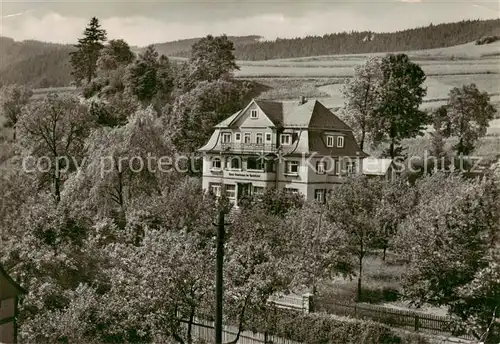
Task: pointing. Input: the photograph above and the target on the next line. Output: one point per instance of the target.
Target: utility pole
(218, 276)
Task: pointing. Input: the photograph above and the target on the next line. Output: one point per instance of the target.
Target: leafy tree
(122, 165)
(53, 132)
(50, 253)
(396, 204)
(361, 94)
(398, 115)
(318, 248)
(150, 77)
(194, 114)
(167, 275)
(277, 202)
(84, 59)
(353, 210)
(466, 116)
(120, 51)
(448, 239)
(212, 58)
(13, 99)
(437, 137)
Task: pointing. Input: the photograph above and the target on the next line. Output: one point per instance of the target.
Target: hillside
(42, 65)
(34, 63)
(429, 37)
(182, 48)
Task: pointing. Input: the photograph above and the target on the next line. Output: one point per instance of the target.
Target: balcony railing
(249, 147)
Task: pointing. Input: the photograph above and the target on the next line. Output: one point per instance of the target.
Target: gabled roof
(376, 167)
(324, 118)
(225, 123)
(311, 114)
(273, 110)
(8, 287)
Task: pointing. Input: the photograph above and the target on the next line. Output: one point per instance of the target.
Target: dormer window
(330, 141)
(286, 139)
(340, 142)
(254, 114)
(226, 137)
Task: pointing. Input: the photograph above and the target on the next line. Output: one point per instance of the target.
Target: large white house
(298, 146)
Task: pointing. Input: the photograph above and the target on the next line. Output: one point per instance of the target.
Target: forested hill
(432, 36)
(183, 47)
(34, 63)
(40, 65)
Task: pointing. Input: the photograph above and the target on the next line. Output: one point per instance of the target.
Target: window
(292, 190)
(230, 191)
(215, 189)
(246, 137)
(237, 137)
(350, 168)
(255, 163)
(329, 141)
(269, 137)
(320, 167)
(340, 142)
(258, 190)
(319, 195)
(226, 137)
(254, 114)
(292, 167)
(286, 139)
(235, 163)
(259, 139)
(216, 164)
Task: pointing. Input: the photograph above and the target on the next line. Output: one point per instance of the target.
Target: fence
(301, 303)
(205, 330)
(414, 321)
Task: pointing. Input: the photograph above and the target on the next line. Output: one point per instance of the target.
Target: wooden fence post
(417, 324)
(265, 337)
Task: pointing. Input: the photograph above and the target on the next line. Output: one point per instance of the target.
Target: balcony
(249, 147)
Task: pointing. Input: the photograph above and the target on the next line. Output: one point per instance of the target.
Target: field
(322, 77)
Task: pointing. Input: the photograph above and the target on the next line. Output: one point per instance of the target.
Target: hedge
(322, 328)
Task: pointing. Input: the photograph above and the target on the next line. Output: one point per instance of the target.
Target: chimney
(302, 100)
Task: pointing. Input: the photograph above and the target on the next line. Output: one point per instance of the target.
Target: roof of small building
(8, 287)
(376, 167)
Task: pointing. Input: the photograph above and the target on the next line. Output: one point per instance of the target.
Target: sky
(145, 22)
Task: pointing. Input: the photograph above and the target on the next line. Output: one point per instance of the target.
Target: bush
(320, 328)
(487, 40)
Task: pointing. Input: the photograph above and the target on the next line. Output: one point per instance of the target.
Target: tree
(13, 99)
(165, 275)
(398, 115)
(150, 77)
(84, 59)
(466, 116)
(120, 51)
(353, 209)
(123, 164)
(195, 113)
(52, 134)
(212, 58)
(396, 203)
(361, 94)
(448, 240)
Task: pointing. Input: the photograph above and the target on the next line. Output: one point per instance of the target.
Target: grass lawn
(290, 88)
(381, 284)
